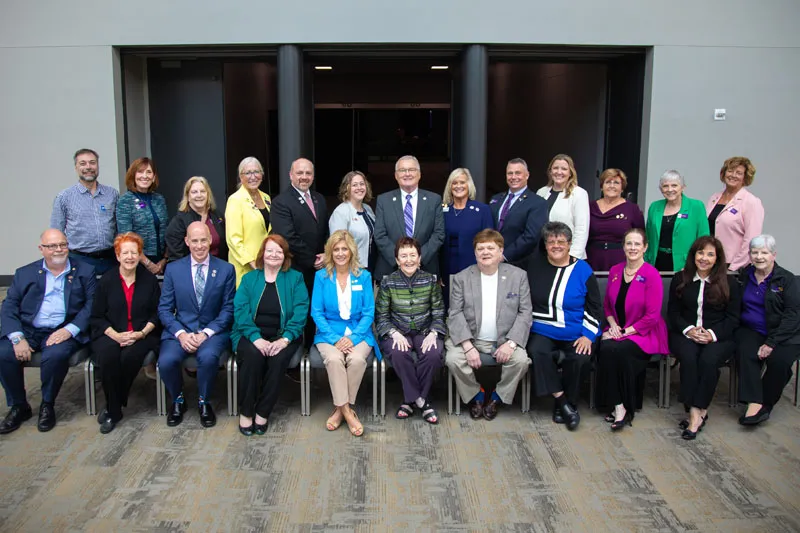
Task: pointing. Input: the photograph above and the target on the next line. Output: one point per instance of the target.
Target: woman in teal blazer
(270, 311)
(673, 224)
(343, 308)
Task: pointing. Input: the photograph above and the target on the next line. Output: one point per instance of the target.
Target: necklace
(457, 212)
(630, 273)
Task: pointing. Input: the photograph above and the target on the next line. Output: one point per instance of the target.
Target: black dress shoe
(689, 435)
(684, 424)
(15, 417)
(247, 431)
(207, 417)
(761, 416)
(102, 415)
(47, 417)
(558, 416)
(109, 424)
(571, 416)
(260, 429)
(475, 409)
(175, 416)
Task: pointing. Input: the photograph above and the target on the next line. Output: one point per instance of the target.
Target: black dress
(664, 257)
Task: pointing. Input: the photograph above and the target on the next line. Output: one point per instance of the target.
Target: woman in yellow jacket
(247, 218)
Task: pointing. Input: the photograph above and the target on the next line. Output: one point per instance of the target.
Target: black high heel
(618, 425)
(684, 424)
(689, 435)
(246, 431)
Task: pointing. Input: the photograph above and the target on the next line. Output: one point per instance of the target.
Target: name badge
(683, 215)
(445, 209)
(640, 278)
(357, 288)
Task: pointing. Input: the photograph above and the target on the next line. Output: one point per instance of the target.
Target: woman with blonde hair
(355, 215)
(343, 308)
(567, 202)
(197, 204)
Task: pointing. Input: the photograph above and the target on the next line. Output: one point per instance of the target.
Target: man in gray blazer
(490, 313)
(408, 212)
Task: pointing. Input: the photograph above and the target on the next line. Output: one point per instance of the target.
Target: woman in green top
(673, 224)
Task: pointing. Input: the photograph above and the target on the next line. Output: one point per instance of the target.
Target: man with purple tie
(519, 214)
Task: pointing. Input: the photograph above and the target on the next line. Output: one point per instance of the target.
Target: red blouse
(128, 290)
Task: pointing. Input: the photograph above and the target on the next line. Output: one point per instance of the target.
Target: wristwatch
(16, 339)
(512, 344)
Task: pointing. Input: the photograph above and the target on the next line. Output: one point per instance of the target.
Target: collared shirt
(206, 264)
(700, 296)
(54, 306)
(88, 220)
(345, 299)
(512, 197)
(754, 314)
(488, 331)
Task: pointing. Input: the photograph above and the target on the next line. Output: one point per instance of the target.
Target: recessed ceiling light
(323, 67)
(439, 67)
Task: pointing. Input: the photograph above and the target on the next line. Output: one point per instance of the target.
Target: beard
(89, 177)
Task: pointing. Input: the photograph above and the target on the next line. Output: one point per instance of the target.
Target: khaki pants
(345, 372)
(512, 370)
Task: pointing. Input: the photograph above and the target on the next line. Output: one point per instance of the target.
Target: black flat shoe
(619, 425)
(207, 417)
(102, 415)
(15, 417)
(761, 416)
(109, 424)
(175, 416)
(47, 417)
(571, 416)
(246, 431)
(689, 435)
(683, 424)
(558, 415)
(260, 429)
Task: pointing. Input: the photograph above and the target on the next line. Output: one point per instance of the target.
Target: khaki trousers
(345, 371)
(467, 385)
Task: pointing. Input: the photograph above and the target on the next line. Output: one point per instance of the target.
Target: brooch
(214, 273)
(639, 277)
(493, 201)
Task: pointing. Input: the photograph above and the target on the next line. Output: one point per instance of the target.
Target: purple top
(753, 314)
(606, 229)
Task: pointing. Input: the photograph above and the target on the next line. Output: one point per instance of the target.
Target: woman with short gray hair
(769, 334)
(673, 224)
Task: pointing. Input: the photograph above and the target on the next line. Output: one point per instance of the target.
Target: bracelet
(473, 348)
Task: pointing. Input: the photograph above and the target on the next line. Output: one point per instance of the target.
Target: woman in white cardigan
(354, 215)
(567, 202)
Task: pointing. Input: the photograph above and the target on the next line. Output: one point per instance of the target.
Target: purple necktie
(504, 211)
(408, 216)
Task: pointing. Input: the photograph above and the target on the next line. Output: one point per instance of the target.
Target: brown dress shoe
(475, 409)
(491, 408)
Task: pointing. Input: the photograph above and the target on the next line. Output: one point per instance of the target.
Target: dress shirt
(88, 220)
(54, 308)
(345, 297)
(754, 313)
(700, 294)
(209, 332)
(488, 331)
(414, 197)
(511, 198)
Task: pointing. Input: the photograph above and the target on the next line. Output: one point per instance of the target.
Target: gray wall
(60, 89)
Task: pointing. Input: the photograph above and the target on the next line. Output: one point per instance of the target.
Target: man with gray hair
(408, 212)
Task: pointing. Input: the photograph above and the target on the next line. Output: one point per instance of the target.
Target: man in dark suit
(519, 214)
(408, 212)
(196, 310)
(47, 309)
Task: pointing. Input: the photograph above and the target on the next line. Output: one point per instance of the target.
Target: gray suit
(514, 319)
(390, 226)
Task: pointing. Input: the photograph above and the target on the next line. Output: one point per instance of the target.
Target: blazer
(390, 226)
(325, 309)
(740, 221)
(244, 230)
(178, 309)
(642, 307)
(721, 320)
(26, 293)
(522, 226)
(347, 218)
(176, 233)
(574, 212)
(514, 308)
(292, 295)
(692, 222)
(111, 310)
(134, 215)
(292, 219)
(781, 305)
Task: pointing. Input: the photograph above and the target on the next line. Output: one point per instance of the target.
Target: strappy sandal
(356, 429)
(332, 424)
(404, 411)
(429, 414)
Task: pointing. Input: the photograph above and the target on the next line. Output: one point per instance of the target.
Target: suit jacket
(346, 217)
(574, 212)
(178, 309)
(737, 224)
(522, 225)
(692, 222)
(25, 296)
(514, 309)
(244, 230)
(722, 319)
(642, 307)
(390, 227)
(111, 310)
(176, 233)
(292, 219)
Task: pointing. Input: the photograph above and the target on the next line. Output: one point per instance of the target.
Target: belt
(665, 250)
(607, 245)
(102, 254)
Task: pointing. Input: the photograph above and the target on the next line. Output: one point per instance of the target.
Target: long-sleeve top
(781, 305)
(692, 308)
(642, 307)
(245, 230)
(566, 300)
(88, 220)
(347, 218)
(135, 213)
(460, 227)
(110, 308)
(691, 223)
(574, 212)
(604, 248)
(176, 233)
(737, 224)
(409, 304)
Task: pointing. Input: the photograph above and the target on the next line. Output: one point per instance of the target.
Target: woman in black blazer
(124, 325)
(197, 204)
(701, 328)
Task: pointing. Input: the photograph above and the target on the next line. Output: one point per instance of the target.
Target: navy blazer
(522, 226)
(178, 309)
(25, 296)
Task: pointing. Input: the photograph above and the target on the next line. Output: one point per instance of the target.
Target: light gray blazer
(346, 217)
(514, 308)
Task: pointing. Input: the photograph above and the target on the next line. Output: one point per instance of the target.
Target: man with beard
(47, 310)
(85, 212)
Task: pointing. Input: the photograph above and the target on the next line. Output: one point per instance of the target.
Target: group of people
(458, 282)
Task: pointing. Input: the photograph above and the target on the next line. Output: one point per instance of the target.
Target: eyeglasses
(407, 170)
(559, 242)
(56, 246)
(273, 252)
(251, 173)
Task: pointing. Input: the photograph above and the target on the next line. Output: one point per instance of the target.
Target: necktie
(408, 216)
(310, 204)
(199, 284)
(504, 211)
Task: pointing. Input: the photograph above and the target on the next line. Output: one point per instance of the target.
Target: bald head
(198, 239)
(53, 245)
(302, 174)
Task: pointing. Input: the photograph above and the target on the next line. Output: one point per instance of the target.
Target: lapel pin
(214, 273)
(424, 198)
(40, 272)
(394, 198)
(502, 277)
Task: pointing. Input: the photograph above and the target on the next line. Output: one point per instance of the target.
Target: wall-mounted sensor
(719, 114)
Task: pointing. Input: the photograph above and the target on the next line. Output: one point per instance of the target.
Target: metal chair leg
(383, 388)
(160, 393)
(88, 380)
(302, 390)
(667, 384)
(526, 393)
(663, 369)
(375, 393)
(796, 383)
(449, 393)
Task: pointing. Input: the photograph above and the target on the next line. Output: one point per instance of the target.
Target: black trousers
(260, 377)
(119, 367)
(700, 364)
(753, 387)
(620, 365)
(544, 354)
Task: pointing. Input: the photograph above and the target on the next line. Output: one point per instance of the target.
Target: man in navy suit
(519, 214)
(46, 309)
(196, 310)
(408, 212)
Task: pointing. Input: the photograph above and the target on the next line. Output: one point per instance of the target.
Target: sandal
(404, 411)
(334, 422)
(610, 418)
(356, 429)
(429, 414)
